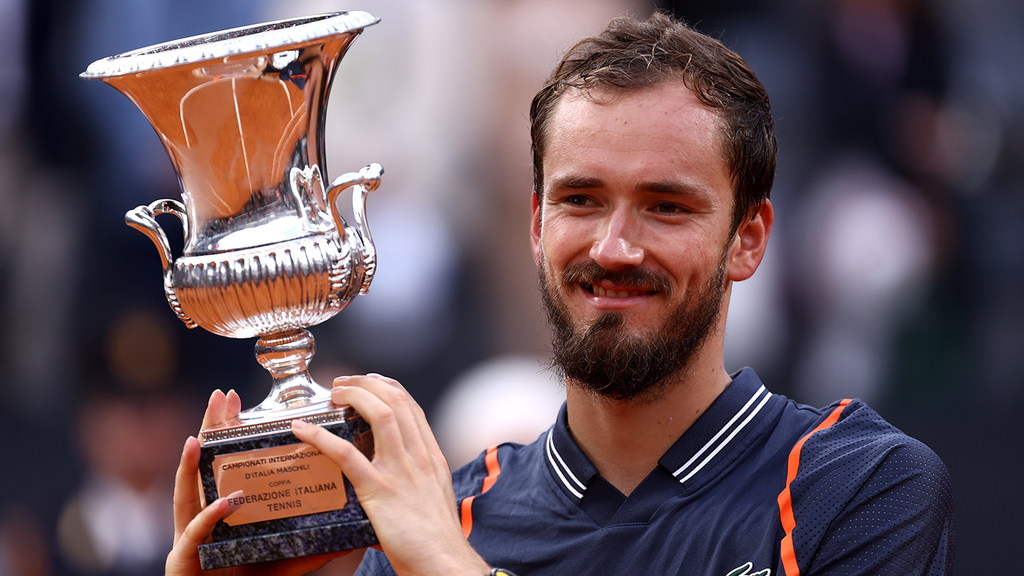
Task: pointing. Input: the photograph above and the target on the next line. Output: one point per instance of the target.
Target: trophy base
(294, 501)
(283, 545)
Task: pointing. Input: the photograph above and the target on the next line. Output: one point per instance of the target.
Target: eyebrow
(576, 183)
(573, 182)
(672, 188)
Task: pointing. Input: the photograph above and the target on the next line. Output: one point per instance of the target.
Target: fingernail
(299, 424)
(234, 501)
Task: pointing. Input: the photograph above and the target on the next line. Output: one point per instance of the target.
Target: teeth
(612, 293)
(598, 291)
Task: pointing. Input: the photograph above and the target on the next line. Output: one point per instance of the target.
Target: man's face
(631, 234)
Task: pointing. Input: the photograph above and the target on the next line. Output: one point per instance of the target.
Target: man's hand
(406, 490)
(193, 523)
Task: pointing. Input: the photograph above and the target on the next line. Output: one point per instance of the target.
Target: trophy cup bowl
(241, 114)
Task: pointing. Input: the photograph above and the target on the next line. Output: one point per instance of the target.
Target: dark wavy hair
(633, 54)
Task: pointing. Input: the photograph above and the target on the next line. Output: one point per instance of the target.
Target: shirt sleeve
(872, 501)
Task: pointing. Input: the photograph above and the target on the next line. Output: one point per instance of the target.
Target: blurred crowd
(895, 272)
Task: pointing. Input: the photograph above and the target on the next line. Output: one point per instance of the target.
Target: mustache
(590, 272)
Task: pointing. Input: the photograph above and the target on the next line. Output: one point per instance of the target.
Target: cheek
(693, 265)
(559, 243)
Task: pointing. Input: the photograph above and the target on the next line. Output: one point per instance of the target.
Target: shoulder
(503, 460)
(858, 445)
(856, 482)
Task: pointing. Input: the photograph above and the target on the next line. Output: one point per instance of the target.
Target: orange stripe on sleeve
(785, 498)
(493, 470)
(467, 515)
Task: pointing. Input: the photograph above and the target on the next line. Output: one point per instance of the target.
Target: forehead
(663, 130)
(666, 105)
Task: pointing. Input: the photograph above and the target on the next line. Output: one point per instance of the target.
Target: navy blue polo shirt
(758, 485)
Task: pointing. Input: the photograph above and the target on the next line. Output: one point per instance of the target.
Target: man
(654, 155)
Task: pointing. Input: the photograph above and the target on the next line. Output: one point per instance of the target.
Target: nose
(616, 247)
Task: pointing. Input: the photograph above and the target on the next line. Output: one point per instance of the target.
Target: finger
(215, 410)
(186, 548)
(341, 381)
(399, 392)
(412, 421)
(388, 424)
(233, 405)
(424, 438)
(347, 380)
(386, 380)
(389, 390)
(186, 481)
(353, 463)
(416, 436)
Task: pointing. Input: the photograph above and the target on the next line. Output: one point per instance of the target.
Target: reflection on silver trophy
(241, 114)
(266, 253)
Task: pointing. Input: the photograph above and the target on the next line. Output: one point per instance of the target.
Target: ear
(750, 242)
(535, 227)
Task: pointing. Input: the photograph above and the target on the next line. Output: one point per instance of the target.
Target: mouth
(616, 288)
(617, 292)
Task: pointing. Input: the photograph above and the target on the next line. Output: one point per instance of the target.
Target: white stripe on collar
(716, 448)
(552, 455)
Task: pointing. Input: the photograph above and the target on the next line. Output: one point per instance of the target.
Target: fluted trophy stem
(286, 356)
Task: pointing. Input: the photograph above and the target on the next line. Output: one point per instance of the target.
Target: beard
(608, 360)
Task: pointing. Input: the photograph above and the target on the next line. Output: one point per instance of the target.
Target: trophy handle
(143, 219)
(366, 180)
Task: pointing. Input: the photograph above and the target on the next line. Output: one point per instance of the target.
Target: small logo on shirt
(745, 570)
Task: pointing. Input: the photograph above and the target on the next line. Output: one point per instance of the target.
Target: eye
(669, 208)
(578, 200)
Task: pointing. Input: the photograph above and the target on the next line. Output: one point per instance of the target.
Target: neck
(625, 439)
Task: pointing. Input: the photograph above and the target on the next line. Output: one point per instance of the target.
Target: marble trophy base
(295, 536)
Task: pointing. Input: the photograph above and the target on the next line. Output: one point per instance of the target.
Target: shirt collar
(568, 465)
(722, 426)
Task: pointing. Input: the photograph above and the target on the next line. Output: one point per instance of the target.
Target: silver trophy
(241, 114)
